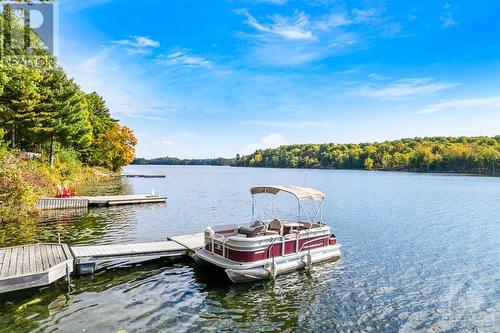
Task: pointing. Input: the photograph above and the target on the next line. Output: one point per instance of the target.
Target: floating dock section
(88, 257)
(61, 203)
(34, 265)
(100, 201)
(143, 176)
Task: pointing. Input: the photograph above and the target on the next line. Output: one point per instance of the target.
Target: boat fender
(272, 269)
(308, 260)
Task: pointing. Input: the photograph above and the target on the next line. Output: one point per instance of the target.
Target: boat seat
(305, 225)
(256, 223)
(276, 225)
(251, 231)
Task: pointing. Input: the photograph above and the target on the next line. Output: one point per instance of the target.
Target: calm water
(420, 253)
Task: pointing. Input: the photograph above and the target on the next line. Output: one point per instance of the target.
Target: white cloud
(364, 15)
(294, 28)
(289, 124)
(301, 38)
(378, 77)
(138, 44)
(103, 72)
(273, 2)
(333, 20)
(184, 59)
(404, 88)
(342, 18)
(493, 102)
(447, 16)
(75, 6)
(284, 54)
(271, 141)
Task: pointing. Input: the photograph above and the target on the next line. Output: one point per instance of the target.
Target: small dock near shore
(143, 176)
(34, 265)
(98, 201)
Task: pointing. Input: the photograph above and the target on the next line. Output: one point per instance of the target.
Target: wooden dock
(99, 201)
(34, 265)
(61, 203)
(88, 257)
(143, 176)
(189, 242)
(114, 200)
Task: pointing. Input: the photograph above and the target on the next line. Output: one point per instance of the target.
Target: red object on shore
(64, 192)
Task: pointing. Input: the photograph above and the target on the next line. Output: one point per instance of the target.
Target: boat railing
(212, 239)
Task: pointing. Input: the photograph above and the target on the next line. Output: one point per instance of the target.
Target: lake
(421, 252)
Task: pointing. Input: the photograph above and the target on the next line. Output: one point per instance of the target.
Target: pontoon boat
(271, 246)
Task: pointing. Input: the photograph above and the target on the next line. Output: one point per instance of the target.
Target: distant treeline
(176, 161)
(479, 155)
(436, 154)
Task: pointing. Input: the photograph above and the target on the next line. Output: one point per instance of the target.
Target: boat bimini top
(300, 193)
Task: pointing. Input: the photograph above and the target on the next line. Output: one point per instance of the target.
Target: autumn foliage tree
(116, 148)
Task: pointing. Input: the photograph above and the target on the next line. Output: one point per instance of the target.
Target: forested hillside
(479, 155)
(51, 131)
(43, 111)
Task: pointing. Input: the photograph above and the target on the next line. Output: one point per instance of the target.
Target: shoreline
(463, 173)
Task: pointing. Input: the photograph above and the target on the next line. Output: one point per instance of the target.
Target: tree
(19, 101)
(116, 148)
(368, 163)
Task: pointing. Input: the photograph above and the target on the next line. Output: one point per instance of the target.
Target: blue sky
(215, 78)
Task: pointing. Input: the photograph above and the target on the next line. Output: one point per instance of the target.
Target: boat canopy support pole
(318, 210)
(253, 207)
(305, 212)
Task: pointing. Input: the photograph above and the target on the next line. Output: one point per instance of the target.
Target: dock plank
(60, 253)
(38, 258)
(32, 259)
(190, 242)
(50, 255)
(13, 262)
(24, 260)
(6, 262)
(3, 255)
(67, 252)
(45, 258)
